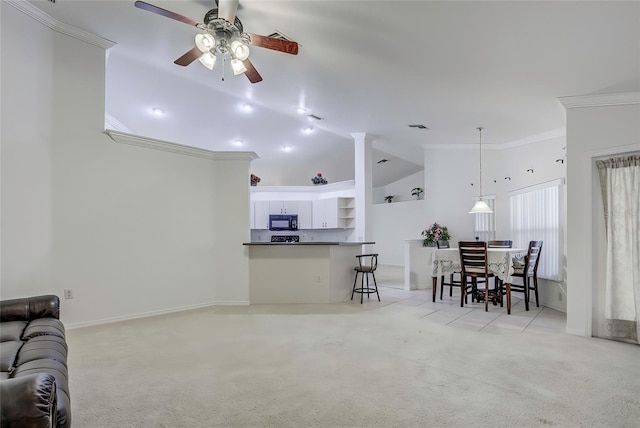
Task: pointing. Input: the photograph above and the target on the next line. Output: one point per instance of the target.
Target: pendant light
(480, 207)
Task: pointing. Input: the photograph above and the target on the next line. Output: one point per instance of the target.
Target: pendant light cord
(480, 128)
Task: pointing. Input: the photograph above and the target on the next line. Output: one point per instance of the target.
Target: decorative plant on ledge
(319, 179)
(417, 191)
(389, 198)
(254, 180)
(434, 233)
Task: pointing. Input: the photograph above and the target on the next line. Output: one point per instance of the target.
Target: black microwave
(283, 222)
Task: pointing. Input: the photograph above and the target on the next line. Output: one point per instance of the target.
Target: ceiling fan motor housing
(223, 31)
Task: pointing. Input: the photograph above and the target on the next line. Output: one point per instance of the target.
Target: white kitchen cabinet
(325, 213)
(260, 215)
(305, 215)
(283, 207)
(334, 213)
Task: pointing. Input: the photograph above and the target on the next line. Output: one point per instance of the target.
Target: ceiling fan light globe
(237, 66)
(208, 60)
(205, 42)
(240, 50)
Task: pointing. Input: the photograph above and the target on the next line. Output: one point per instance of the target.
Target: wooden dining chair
(474, 263)
(528, 271)
(452, 282)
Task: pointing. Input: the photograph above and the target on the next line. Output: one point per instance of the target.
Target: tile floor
(472, 316)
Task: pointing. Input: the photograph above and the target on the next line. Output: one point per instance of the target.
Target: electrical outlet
(68, 294)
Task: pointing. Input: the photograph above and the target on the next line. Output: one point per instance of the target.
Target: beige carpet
(343, 366)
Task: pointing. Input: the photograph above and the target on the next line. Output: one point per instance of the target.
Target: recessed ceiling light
(157, 111)
(238, 142)
(307, 130)
(301, 110)
(247, 107)
(287, 148)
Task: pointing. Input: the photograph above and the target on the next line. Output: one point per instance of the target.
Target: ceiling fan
(222, 34)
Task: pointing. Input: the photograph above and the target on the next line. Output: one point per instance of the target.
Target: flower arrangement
(319, 179)
(417, 191)
(389, 198)
(254, 180)
(434, 233)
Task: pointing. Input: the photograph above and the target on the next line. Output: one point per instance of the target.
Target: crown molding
(600, 100)
(151, 143)
(531, 139)
(113, 123)
(47, 20)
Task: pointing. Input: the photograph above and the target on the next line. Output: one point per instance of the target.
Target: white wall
(131, 230)
(392, 225)
(597, 126)
(401, 189)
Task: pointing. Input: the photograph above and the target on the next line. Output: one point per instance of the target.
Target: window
(536, 216)
(485, 226)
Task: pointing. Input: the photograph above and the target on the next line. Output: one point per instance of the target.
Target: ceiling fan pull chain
(224, 58)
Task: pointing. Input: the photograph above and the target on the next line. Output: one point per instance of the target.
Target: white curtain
(620, 182)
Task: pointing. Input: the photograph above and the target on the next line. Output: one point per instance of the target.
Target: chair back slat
(532, 258)
(500, 244)
(473, 257)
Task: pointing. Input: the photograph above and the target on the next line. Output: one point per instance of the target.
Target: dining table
(500, 261)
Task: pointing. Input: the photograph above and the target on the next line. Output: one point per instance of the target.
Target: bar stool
(367, 264)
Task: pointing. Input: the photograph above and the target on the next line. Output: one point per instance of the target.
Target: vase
(254, 183)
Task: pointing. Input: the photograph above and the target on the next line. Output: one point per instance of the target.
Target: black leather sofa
(34, 387)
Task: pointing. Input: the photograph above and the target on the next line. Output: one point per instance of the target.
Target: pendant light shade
(480, 207)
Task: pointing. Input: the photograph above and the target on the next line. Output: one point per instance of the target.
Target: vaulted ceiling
(363, 66)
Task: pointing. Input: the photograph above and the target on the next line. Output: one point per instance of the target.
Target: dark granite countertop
(310, 243)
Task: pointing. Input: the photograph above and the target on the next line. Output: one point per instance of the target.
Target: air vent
(383, 160)
(418, 126)
(279, 35)
(313, 116)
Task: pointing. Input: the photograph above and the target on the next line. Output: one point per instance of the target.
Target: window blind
(485, 223)
(536, 216)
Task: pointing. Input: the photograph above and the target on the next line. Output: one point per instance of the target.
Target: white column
(363, 184)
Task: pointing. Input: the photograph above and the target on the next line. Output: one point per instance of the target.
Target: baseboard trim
(153, 314)
(576, 332)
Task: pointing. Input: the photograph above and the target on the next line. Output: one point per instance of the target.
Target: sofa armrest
(30, 308)
(28, 401)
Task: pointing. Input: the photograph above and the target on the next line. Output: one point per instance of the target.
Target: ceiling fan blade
(251, 73)
(164, 12)
(227, 9)
(272, 43)
(189, 57)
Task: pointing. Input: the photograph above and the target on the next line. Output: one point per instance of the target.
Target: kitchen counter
(309, 243)
(302, 272)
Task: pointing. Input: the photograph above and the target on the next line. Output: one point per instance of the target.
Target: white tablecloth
(447, 260)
